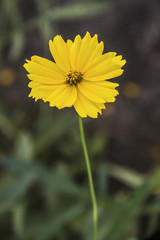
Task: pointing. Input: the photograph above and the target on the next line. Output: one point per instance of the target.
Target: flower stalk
(91, 187)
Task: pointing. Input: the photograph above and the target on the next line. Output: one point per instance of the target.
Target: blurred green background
(43, 181)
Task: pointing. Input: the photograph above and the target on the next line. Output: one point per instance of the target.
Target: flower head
(78, 77)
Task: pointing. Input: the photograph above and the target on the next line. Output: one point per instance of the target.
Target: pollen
(73, 78)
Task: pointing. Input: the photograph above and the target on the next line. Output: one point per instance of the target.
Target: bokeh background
(43, 181)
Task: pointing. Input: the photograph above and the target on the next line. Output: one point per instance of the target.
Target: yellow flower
(78, 76)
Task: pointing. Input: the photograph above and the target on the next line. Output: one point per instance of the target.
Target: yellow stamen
(73, 78)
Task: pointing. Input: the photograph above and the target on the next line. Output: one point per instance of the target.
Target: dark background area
(43, 183)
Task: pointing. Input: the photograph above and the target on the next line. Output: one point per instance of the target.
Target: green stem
(92, 192)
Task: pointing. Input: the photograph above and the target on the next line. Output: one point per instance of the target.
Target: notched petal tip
(119, 57)
(102, 108)
(30, 95)
(116, 85)
(123, 62)
(50, 41)
(101, 44)
(58, 38)
(25, 64)
(34, 58)
(95, 36)
(69, 42)
(87, 35)
(50, 44)
(77, 38)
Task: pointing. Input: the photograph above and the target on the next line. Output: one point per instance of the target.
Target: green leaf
(24, 147)
(122, 219)
(125, 175)
(53, 131)
(47, 228)
(53, 181)
(6, 125)
(77, 10)
(18, 220)
(17, 44)
(11, 194)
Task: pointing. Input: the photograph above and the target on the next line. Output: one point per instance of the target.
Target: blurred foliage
(45, 201)
(43, 184)
(13, 28)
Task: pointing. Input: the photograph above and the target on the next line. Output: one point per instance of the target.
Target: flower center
(73, 78)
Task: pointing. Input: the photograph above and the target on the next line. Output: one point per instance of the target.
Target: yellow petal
(40, 91)
(47, 63)
(105, 66)
(109, 75)
(105, 69)
(46, 80)
(85, 89)
(64, 96)
(74, 52)
(87, 52)
(95, 55)
(98, 93)
(101, 58)
(88, 45)
(101, 106)
(101, 70)
(69, 43)
(54, 94)
(85, 107)
(60, 53)
(33, 84)
(107, 84)
(37, 69)
(83, 49)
